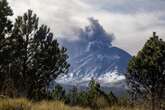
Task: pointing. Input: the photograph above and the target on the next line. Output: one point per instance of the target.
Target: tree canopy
(146, 71)
(30, 55)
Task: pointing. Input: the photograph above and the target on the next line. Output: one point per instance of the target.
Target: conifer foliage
(146, 72)
(31, 56)
(5, 28)
(5, 23)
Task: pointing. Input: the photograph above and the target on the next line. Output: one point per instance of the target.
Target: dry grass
(15, 104)
(53, 105)
(24, 104)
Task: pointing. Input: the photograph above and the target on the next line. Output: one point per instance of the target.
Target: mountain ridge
(94, 56)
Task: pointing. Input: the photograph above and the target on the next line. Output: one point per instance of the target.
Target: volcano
(94, 56)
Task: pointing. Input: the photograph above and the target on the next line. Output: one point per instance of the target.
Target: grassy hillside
(24, 104)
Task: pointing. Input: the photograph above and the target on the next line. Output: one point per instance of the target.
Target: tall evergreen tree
(5, 23)
(97, 97)
(146, 71)
(58, 93)
(36, 57)
(93, 90)
(41, 57)
(93, 93)
(5, 28)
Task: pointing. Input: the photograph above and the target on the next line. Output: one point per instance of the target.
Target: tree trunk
(152, 101)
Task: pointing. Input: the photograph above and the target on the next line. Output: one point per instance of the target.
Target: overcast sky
(131, 21)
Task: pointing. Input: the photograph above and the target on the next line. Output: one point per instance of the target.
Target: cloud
(128, 6)
(132, 21)
(95, 32)
(59, 15)
(91, 37)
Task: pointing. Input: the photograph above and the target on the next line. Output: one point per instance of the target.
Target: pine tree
(5, 23)
(146, 71)
(58, 93)
(42, 59)
(5, 28)
(73, 96)
(36, 58)
(98, 98)
(112, 98)
(82, 98)
(93, 93)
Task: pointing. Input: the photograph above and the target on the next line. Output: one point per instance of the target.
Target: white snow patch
(108, 79)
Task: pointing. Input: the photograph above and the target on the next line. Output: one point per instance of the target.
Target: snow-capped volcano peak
(95, 45)
(93, 56)
(102, 62)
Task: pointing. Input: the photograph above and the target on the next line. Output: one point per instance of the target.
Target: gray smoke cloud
(94, 32)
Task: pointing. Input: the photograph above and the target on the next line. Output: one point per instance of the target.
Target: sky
(131, 22)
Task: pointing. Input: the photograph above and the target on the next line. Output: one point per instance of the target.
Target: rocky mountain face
(93, 56)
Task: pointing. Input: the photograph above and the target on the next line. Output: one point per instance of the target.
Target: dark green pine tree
(37, 58)
(73, 96)
(5, 23)
(5, 28)
(93, 93)
(146, 71)
(112, 98)
(82, 98)
(98, 98)
(58, 93)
